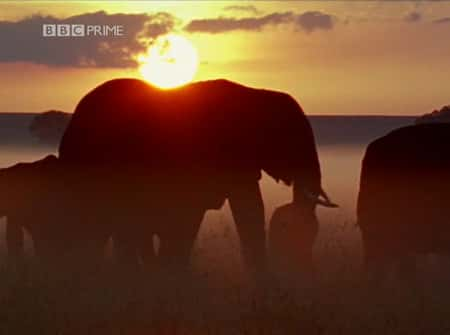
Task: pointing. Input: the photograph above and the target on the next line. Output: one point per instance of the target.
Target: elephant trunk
(307, 185)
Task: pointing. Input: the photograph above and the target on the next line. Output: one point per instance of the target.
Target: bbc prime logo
(81, 30)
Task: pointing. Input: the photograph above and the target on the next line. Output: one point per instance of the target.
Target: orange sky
(335, 57)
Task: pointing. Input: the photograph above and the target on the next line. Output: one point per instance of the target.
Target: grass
(217, 298)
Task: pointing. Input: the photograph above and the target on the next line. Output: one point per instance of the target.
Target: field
(221, 300)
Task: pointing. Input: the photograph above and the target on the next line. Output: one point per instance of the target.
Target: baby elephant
(25, 188)
(293, 231)
(37, 197)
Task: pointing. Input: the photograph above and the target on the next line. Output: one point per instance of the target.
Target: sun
(170, 61)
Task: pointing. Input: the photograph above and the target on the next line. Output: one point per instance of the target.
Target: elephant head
(290, 152)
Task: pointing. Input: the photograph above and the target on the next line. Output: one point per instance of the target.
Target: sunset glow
(225, 166)
(170, 62)
(331, 56)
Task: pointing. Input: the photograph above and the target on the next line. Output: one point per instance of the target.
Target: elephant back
(112, 124)
(404, 183)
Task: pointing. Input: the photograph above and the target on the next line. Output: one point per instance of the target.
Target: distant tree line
(442, 115)
(48, 127)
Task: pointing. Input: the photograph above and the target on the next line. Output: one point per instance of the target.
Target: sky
(334, 57)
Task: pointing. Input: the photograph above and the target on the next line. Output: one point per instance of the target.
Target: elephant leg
(125, 240)
(178, 237)
(15, 240)
(248, 212)
(377, 257)
(407, 268)
(147, 251)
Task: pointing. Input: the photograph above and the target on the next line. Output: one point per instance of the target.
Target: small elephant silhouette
(292, 233)
(37, 197)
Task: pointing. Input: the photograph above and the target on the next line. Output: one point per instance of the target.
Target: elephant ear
(290, 152)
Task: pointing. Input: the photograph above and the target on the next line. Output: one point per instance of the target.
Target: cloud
(226, 24)
(22, 41)
(443, 20)
(308, 21)
(413, 17)
(243, 8)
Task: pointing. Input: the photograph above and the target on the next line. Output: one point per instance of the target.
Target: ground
(217, 299)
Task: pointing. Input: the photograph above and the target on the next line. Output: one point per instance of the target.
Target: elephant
(26, 203)
(290, 244)
(403, 201)
(164, 157)
(37, 198)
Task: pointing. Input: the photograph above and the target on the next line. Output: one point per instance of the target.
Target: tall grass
(218, 299)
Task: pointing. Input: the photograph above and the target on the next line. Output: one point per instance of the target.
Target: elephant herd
(137, 162)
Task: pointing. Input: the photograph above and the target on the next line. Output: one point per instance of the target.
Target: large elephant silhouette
(403, 198)
(37, 197)
(167, 156)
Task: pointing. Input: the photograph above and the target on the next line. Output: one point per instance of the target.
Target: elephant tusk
(324, 195)
(327, 199)
(326, 202)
